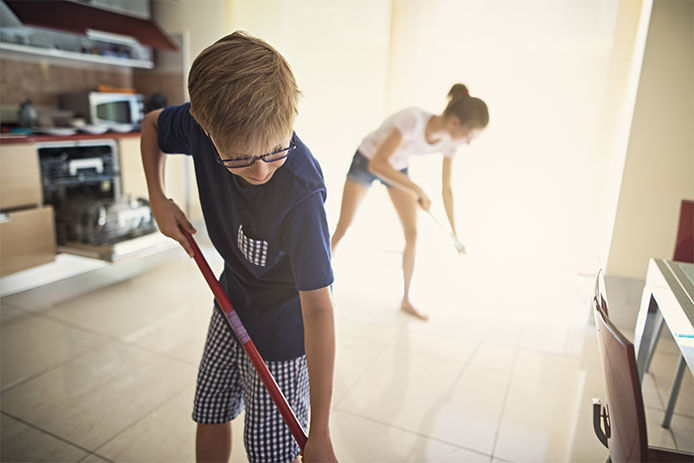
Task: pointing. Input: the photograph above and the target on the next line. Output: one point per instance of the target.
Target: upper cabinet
(113, 32)
(138, 8)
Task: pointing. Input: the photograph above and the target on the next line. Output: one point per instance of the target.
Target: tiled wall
(42, 82)
(170, 84)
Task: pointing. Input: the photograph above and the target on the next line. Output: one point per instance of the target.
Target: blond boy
(262, 196)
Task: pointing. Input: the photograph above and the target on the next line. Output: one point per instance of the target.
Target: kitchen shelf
(75, 56)
(8, 139)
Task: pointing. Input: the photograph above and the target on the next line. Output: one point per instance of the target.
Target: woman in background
(384, 155)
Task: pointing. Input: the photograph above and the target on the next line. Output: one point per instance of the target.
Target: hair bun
(458, 91)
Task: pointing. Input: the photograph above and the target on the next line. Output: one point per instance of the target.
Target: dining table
(667, 300)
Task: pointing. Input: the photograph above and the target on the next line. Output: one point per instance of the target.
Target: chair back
(684, 246)
(626, 421)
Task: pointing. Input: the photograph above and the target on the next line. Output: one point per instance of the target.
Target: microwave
(114, 110)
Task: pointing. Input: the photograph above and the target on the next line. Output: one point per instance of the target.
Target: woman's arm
(166, 213)
(447, 192)
(380, 166)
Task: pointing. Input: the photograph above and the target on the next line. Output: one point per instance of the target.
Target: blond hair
(242, 92)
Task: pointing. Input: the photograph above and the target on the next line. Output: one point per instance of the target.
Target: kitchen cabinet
(20, 177)
(27, 239)
(27, 230)
(133, 179)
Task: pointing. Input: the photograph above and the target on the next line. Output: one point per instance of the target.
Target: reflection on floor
(505, 370)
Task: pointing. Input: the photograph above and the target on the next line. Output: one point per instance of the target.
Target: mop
(458, 245)
(245, 340)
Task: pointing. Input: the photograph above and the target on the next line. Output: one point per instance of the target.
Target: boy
(262, 196)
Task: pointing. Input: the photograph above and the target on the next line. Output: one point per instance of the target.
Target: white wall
(200, 23)
(659, 168)
(555, 76)
(339, 54)
(559, 78)
(204, 20)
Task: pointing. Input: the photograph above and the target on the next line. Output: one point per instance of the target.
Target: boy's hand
(318, 450)
(169, 216)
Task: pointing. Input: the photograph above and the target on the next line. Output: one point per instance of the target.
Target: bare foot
(410, 310)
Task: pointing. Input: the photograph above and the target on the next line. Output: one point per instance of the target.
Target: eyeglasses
(238, 163)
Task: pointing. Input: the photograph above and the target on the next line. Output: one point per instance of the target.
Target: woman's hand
(423, 199)
(169, 217)
(460, 247)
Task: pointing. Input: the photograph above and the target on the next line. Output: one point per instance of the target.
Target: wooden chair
(620, 423)
(684, 246)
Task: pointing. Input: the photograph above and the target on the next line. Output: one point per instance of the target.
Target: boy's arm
(167, 214)
(319, 339)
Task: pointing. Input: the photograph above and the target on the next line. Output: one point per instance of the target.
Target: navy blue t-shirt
(273, 237)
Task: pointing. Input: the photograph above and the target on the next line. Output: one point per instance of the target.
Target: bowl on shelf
(94, 129)
(121, 128)
(57, 131)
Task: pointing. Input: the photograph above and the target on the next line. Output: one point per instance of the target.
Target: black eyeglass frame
(250, 160)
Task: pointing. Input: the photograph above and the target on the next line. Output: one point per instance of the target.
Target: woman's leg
(406, 207)
(352, 196)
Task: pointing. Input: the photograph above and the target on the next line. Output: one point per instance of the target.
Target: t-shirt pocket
(254, 250)
(260, 255)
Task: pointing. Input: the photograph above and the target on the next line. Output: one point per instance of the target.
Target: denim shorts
(359, 171)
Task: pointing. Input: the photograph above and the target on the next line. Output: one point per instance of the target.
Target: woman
(384, 155)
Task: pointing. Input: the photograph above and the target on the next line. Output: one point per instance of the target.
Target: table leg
(649, 324)
(675, 392)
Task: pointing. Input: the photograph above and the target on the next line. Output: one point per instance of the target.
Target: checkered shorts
(228, 383)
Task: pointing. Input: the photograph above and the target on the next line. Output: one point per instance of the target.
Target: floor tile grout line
(434, 356)
(25, 314)
(414, 433)
(120, 341)
(96, 455)
(362, 339)
(503, 406)
(385, 347)
(105, 338)
(557, 385)
(661, 400)
(32, 377)
(359, 377)
(656, 409)
(463, 368)
(657, 392)
(86, 352)
(55, 436)
(141, 418)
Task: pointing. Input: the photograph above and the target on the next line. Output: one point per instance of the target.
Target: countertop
(8, 139)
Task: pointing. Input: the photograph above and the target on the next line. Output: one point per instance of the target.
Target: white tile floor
(504, 371)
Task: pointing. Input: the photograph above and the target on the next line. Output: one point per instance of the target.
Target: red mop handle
(248, 346)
